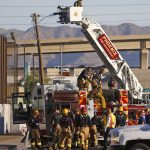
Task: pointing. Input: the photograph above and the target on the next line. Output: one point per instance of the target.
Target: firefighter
(120, 117)
(96, 83)
(147, 117)
(66, 130)
(33, 125)
(111, 83)
(84, 78)
(76, 140)
(110, 124)
(142, 119)
(93, 131)
(56, 129)
(97, 76)
(78, 3)
(84, 124)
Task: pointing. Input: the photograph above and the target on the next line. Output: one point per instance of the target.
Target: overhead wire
(63, 24)
(109, 14)
(92, 5)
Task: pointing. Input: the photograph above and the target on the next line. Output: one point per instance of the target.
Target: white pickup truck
(135, 137)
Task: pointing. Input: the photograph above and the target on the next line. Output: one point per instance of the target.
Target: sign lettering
(108, 47)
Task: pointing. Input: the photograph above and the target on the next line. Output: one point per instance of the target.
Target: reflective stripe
(39, 143)
(112, 120)
(69, 145)
(33, 143)
(61, 146)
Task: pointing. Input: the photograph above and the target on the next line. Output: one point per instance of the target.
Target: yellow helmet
(120, 108)
(65, 111)
(36, 112)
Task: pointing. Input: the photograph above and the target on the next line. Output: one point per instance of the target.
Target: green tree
(31, 82)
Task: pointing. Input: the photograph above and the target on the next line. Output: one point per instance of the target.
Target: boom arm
(105, 49)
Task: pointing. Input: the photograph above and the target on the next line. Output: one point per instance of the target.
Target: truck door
(20, 107)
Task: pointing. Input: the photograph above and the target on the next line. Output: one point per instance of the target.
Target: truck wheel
(140, 146)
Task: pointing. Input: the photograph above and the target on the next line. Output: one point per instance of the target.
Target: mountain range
(68, 31)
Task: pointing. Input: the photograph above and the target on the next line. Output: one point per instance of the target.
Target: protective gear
(93, 136)
(94, 84)
(56, 130)
(56, 137)
(76, 140)
(84, 78)
(36, 112)
(83, 124)
(120, 108)
(65, 111)
(111, 83)
(83, 110)
(66, 132)
(33, 125)
(93, 131)
(120, 119)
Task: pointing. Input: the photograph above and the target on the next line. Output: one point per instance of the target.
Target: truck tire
(140, 146)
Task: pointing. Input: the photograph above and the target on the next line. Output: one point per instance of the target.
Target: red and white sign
(108, 47)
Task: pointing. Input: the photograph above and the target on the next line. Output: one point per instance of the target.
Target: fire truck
(130, 92)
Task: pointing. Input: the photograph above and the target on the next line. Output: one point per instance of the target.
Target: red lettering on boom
(108, 47)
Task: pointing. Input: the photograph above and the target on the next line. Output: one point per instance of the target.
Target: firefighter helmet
(120, 108)
(36, 112)
(65, 111)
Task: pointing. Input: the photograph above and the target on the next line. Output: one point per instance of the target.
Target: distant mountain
(68, 31)
(126, 29)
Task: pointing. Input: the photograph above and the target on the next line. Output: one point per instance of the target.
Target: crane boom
(105, 49)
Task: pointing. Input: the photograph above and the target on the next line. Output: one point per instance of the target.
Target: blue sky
(16, 13)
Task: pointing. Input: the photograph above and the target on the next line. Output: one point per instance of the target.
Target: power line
(112, 14)
(24, 24)
(109, 14)
(114, 5)
(119, 5)
(14, 16)
(119, 14)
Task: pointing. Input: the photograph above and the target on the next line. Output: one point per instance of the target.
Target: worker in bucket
(78, 3)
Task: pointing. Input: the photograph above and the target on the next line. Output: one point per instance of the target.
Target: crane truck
(129, 137)
(105, 49)
(117, 66)
(129, 85)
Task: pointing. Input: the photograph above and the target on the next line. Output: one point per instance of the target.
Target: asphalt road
(90, 148)
(13, 142)
(18, 147)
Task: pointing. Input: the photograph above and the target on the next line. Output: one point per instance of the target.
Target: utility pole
(15, 62)
(41, 72)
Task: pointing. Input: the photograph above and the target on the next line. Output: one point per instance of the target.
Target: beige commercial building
(130, 42)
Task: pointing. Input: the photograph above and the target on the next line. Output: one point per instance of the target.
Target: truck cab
(136, 137)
